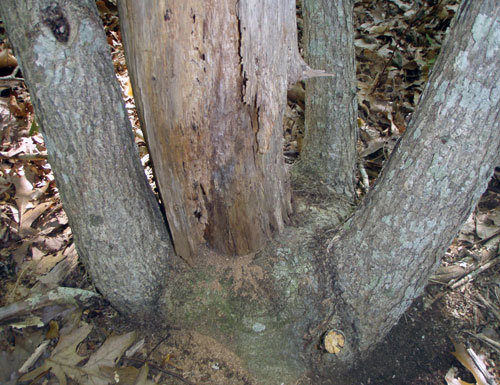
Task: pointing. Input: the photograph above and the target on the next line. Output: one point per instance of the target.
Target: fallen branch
(492, 343)
(59, 296)
(481, 268)
(23, 156)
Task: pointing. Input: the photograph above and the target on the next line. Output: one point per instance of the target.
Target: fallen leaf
(461, 354)
(100, 367)
(53, 331)
(7, 60)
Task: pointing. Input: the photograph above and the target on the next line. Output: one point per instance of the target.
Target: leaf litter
(397, 43)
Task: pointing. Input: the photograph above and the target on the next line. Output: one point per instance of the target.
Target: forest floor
(397, 43)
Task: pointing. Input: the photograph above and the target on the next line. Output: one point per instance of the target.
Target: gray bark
(117, 226)
(434, 178)
(329, 149)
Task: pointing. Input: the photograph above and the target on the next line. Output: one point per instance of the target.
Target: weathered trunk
(433, 180)
(329, 151)
(213, 77)
(118, 229)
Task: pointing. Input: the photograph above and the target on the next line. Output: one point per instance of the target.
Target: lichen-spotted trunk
(210, 80)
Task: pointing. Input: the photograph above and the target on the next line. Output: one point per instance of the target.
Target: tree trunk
(434, 178)
(329, 150)
(272, 308)
(214, 81)
(118, 228)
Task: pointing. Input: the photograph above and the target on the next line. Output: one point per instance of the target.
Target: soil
(418, 350)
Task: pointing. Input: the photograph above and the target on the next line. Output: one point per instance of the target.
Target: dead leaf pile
(34, 231)
(69, 354)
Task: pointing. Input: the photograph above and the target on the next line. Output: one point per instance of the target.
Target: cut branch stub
(334, 341)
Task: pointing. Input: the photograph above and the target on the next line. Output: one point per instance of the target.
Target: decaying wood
(211, 99)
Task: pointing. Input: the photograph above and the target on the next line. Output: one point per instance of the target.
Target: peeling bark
(211, 99)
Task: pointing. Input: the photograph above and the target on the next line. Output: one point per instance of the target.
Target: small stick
(492, 343)
(32, 157)
(34, 357)
(172, 374)
(60, 296)
(475, 273)
(481, 366)
(365, 182)
(488, 304)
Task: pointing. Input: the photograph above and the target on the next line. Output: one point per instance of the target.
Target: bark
(329, 149)
(271, 308)
(118, 229)
(211, 91)
(434, 178)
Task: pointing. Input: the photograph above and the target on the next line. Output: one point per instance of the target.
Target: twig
(365, 182)
(172, 374)
(13, 75)
(492, 343)
(21, 156)
(158, 344)
(61, 295)
(476, 272)
(471, 274)
(34, 357)
(484, 240)
(488, 304)
(481, 366)
(11, 294)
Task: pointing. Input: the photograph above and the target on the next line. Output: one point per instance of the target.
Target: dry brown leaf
(28, 217)
(18, 109)
(53, 331)
(461, 354)
(7, 60)
(64, 359)
(24, 189)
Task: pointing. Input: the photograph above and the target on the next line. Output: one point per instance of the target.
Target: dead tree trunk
(214, 90)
